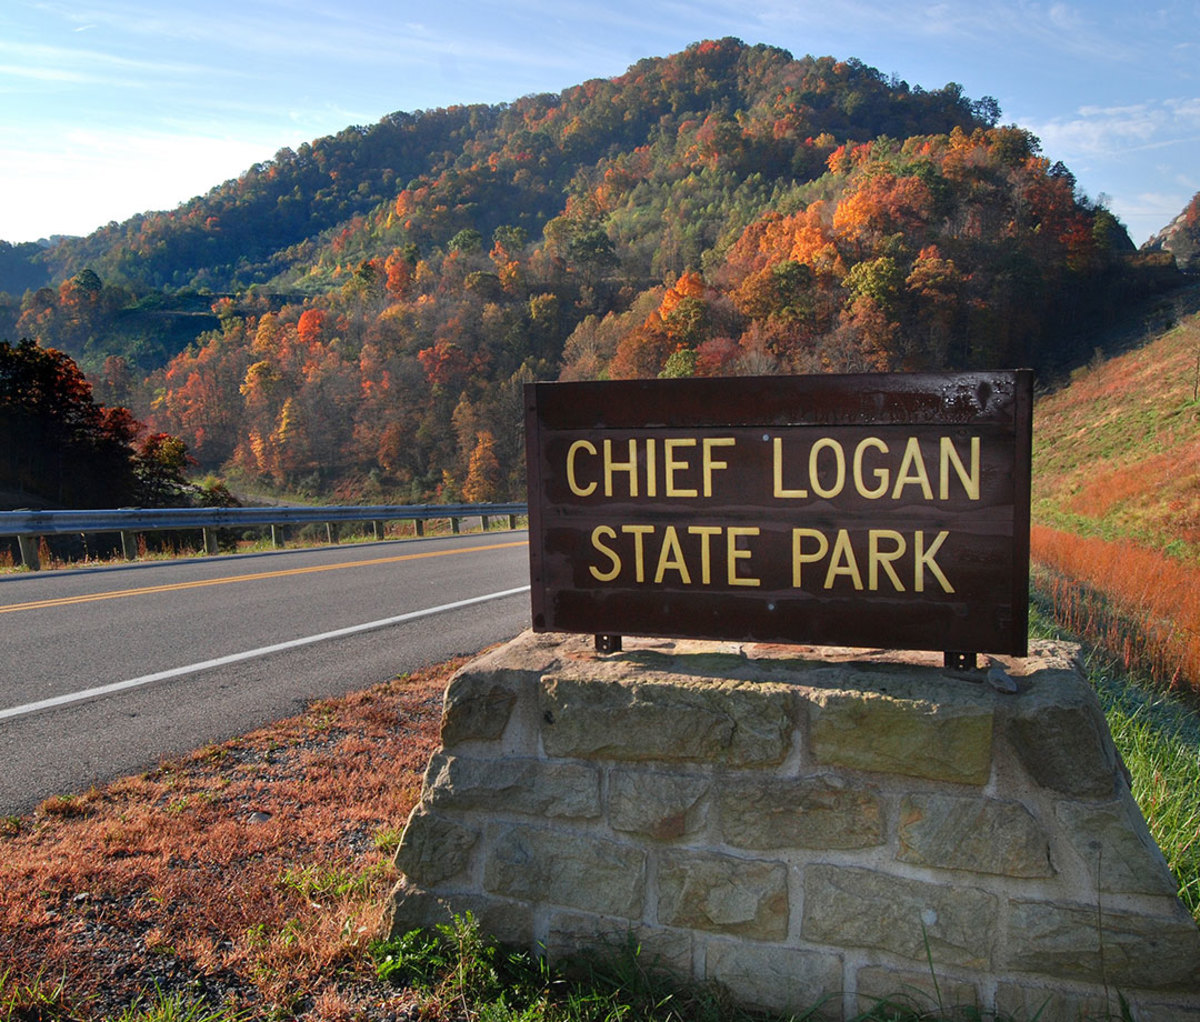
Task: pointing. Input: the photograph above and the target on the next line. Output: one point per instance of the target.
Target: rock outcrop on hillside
(1181, 237)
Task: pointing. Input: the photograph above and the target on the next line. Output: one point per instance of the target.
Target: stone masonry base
(802, 826)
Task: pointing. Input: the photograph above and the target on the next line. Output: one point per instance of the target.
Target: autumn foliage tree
(57, 443)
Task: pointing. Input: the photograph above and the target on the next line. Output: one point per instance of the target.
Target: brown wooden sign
(886, 510)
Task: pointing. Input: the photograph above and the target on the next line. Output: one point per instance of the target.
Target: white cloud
(1117, 130)
(57, 181)
(43, 74)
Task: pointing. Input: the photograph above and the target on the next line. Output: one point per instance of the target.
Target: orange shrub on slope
(1139, 603)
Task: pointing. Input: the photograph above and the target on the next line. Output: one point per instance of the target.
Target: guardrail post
(484, 520)
(512, 522)
(129, 546)
(210, 542)
(377, 529)
(277, 536)
(29, 552)
(331, 532)
(420, 527)
(454, 526)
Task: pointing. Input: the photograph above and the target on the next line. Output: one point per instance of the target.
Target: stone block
(433, 848)
(658, 949)
(921, 992)
(567, 790)
(723, 894)
(809, 812)
(482, 695)
(570, 869)
(1113, 839)
(410, 907)
(1049, 1005)
(660, 806)
(981, 835)
(1126, 949)
(685, 719)
(778, 979)
(853, 907)
(477, 708)
(1059, 734)
(946, 739)
(1183, 1010)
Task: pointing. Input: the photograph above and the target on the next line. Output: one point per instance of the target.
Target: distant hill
(357, 315)
(1181, 237)
(21, 269)
(760, 113)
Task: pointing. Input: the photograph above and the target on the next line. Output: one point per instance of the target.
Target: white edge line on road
(233, 658)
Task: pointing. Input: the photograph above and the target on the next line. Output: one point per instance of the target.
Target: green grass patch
(41, 999)
(177, 1007)
(460, 973)
(317, 883)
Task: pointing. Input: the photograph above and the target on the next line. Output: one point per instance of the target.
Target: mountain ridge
(401, 147)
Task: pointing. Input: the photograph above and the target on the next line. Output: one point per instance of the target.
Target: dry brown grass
(250, 873)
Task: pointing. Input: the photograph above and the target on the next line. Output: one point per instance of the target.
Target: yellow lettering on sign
(611, 466)
(710, 463)
(734, 553)
(706, 533)
(670, 558)
(608, 533)
(886, 551)
(881, 474)
(630, 468)
(925, 559)
(969, 479)
(795, 494)
(800, 558)
(912, 471)
(671, 465)
(639, 532)
(839, 462)
(843, 562)
(878, 557)
(572, 482)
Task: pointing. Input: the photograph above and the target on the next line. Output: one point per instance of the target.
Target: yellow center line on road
(67, 601)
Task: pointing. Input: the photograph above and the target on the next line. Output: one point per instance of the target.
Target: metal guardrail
(30, 526)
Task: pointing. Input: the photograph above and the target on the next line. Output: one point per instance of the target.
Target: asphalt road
(105, 672)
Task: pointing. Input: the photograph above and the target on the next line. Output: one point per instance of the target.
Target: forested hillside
(376, 299)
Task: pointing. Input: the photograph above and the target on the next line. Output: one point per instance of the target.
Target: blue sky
(113, 107)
